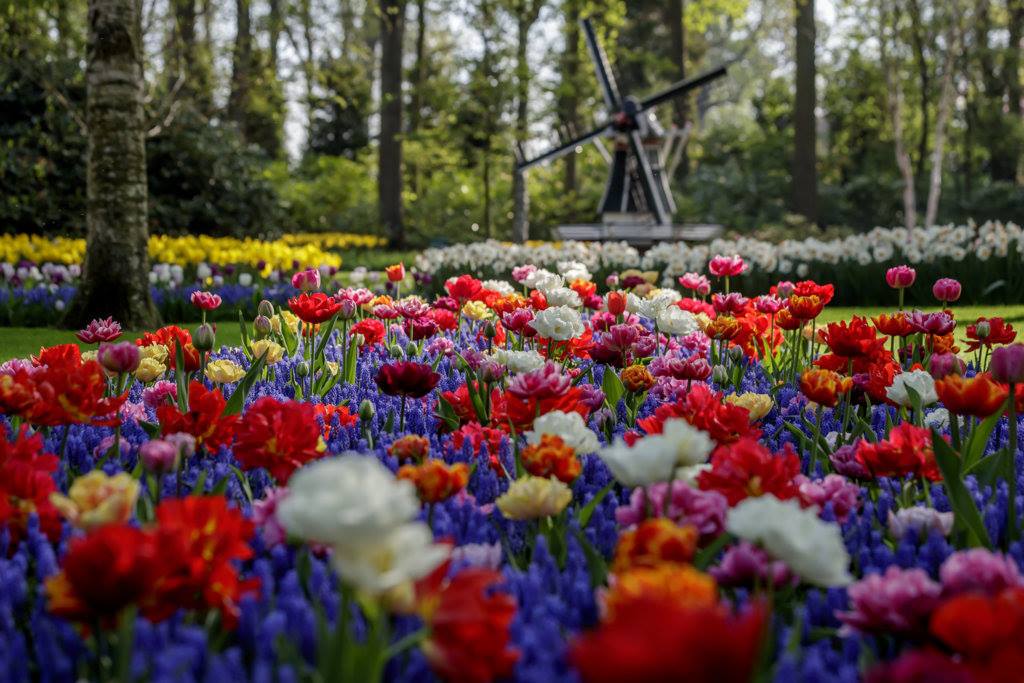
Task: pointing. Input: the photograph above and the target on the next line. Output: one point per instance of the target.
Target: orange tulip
(396, 273)
(805, 307)
(616, 302)
(824, 386)
(978, 396)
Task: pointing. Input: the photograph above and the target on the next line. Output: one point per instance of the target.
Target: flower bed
(531, 481)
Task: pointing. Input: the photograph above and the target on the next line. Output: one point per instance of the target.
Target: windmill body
(637, 204)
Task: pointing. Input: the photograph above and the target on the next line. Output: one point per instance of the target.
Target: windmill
(637, 204)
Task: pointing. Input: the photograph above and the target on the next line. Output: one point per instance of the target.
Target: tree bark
(569, 102)
(389, 185)
(520, 202)
(241, 64)
(675, 16)
(805, 173)
(894, 104)
(941, 120)
(275, 27)
(115, 280)
(918, 41)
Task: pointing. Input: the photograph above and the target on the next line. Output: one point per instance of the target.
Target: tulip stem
(401, 417)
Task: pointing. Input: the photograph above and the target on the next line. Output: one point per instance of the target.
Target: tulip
(945, 364)
(1007, 364)
(899, 278)
(119, 358)
(946, 290)
(784, 289)
(99, 330)
(395, 273)
(205, 301)
(159, 456)
(262, 327)
(726, 266)
(204, 338)
(266, 309)
(616, 303)
(306, 280)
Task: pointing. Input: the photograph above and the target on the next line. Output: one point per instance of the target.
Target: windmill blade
(645, 174)
(677, 89)
(564, 149)
(605, 78)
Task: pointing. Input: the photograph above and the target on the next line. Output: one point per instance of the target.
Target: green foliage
(204, 179)
(327, 193)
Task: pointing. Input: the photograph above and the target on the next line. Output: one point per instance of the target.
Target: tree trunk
(894, 103)
(918, 40)
(675, 15)
(241, 65)
(389, 182)
(569, 100)
(115, 281)
(275, 26)
(305, 9)
(526, 15)
(419, 68)
(941, 120)
(805, 173)
(1011, 69)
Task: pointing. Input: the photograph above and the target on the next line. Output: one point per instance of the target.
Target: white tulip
(569, 426)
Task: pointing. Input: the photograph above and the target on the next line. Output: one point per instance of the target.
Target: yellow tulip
(149, 369)
(96, 499)
(533, 497)
(224, 371)
(758, 405)
(476, 310)
(274, 351)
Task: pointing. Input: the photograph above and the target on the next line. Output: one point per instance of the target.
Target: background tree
(805, 129)
(389, 167)
(115, 279)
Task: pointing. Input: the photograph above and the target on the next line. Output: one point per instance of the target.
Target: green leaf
(587, 511)
(291, 342)
(706, 556)
(200, 485)
(234, 405)
(244, 329)
(978, 439)
(180, 376)
(446, 413)
(965, 511)
(325, 336)
(243, 481)
(348, 369)
(152, 429)
(612, 387)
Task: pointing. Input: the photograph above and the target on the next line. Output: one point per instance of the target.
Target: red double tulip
(314, 308)
(407, 378)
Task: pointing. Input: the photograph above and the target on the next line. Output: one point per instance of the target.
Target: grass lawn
(20, 342)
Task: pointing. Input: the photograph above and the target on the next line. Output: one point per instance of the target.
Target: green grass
(21, 342)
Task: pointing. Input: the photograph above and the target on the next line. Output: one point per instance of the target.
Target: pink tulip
(732, 304)
(727, 266)
(768, 304)
(520, 273)
(946, 290)
(695, 282)
(306, 280)
(1008, 364)
(119, 358)
(206, 301)
(784, 289)
(900, 277)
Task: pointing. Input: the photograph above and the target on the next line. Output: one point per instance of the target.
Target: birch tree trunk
(941, 121)
(115, 280)
(894, 104)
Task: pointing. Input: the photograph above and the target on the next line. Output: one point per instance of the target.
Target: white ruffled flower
(674, 320)
(519, 362)
(922, 519)
(918, 380)
(544, 281)
(559, 323)
(403, 554)
(569, 426)
(809, 546)
(690, 445)
(499, 286)
(563, 296)
(349, 499)
(646, 462)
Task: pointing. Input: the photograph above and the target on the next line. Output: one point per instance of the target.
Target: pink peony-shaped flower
(520, 273)
(731, 304)
(835, 489)
(99, 330)
(769, 304)
(980, 571)
(705, 510)
(160, 393)
(745, 565)
(784, 289)
(544, 382)
(938, 323)
(898, 602)
(946, 290)
(205, 301)
(727, 266)
(900, 277)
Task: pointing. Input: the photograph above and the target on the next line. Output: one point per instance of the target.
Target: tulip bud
(605, 418)
(159, 455)
(489, 330)
(395, 351)
(719, 374)
(348, 309)
(185, 443)
(411, 350)
(366, 410)
(262, 326)
(1008, 364)
(266, 309)
(943, 364)
(735, 354)
(204, 337)
(119, 358)
(302, 369)
(983, 329)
